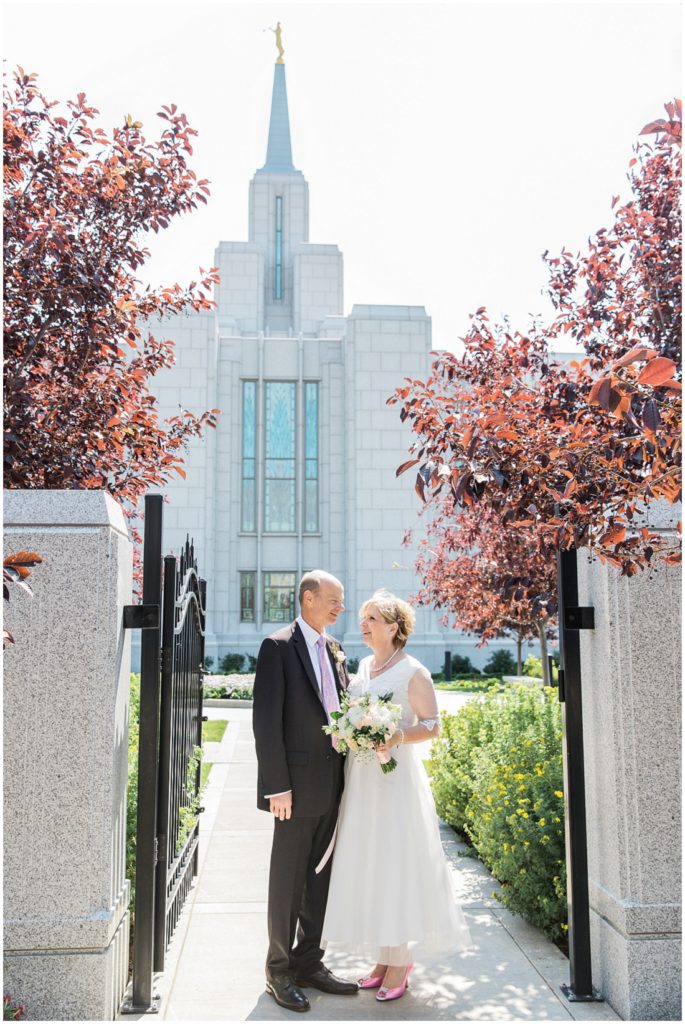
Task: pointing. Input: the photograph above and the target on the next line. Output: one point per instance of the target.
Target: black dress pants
(297, 895)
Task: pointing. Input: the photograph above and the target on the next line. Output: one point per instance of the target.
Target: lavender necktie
(328, 690)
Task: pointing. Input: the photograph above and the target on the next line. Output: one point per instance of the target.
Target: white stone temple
(300, 473)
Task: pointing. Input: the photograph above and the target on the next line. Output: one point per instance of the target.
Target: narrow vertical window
(279, 596)
(247, 605)
(248, 515)
(311, 457)
(279, 452)
(278, 288)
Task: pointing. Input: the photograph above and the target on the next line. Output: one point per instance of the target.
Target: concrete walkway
(215, 965)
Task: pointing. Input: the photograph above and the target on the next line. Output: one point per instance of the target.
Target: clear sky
(446, 145)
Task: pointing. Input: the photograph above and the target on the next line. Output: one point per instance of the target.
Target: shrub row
(232, 663)
(500, 663)
(496, 774)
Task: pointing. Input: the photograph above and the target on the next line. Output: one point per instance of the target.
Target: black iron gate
(172, 656)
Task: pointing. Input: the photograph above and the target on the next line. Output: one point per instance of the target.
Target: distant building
(301, 471)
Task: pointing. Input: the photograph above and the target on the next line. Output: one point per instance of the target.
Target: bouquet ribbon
(328, 854)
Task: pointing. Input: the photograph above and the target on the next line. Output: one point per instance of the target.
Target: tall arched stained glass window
(279, 461)
(248, 496)
(311, 457)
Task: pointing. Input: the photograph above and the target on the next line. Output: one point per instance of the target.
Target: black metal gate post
(571, 619)
(146, 842)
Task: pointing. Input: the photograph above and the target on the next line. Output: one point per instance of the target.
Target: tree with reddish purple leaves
(625, 291)
(488, 580)
(78, 361)
(572, 453)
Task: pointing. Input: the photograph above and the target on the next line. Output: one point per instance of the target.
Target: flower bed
(496, 774)
(238, 686)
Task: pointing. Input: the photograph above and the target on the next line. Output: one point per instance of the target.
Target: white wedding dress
(390, 895)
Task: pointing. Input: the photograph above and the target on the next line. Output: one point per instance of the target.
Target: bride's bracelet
(402, 740)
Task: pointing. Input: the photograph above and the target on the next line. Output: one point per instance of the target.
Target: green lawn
(213, 731)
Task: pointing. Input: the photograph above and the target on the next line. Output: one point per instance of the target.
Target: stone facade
(66, 694)
(280, 317)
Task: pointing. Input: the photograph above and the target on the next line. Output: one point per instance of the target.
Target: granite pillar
(66, 693)
(631, 670)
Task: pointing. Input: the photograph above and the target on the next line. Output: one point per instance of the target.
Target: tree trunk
(519, 663)
(546, 676)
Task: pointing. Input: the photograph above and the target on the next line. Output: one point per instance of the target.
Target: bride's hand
(392, 741)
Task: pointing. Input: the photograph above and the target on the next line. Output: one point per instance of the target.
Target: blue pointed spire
(278, 151)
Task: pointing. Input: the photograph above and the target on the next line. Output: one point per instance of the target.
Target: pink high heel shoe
(384, 995)
(371, 981)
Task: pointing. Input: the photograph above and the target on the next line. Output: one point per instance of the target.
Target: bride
(390, 892)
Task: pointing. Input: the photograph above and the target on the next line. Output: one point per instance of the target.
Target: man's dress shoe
(327, 982)
(286, 993)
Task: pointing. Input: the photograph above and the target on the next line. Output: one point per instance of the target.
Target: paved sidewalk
(215, 966)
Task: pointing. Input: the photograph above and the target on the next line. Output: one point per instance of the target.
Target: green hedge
(500, 663)
(496, 774)
(469, 684)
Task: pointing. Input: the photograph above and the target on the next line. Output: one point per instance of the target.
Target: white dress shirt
(311, 636)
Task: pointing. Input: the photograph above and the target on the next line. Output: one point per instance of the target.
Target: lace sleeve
(422, 698)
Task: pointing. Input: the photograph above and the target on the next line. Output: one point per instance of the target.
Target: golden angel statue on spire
(277, 32)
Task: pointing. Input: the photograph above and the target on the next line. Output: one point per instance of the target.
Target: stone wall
(632, 684)
(66, 693)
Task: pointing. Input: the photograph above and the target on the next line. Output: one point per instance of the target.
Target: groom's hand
(281, 806)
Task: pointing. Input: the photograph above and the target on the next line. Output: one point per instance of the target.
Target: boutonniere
(336, 651)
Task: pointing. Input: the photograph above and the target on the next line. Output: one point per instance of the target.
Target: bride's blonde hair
(393, 609)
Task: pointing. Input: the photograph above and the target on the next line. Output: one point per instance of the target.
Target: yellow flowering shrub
(497, 778)
(450, 769)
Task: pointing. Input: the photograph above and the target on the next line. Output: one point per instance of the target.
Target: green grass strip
(213, 730)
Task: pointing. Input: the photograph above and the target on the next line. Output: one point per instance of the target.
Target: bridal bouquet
(362, 724)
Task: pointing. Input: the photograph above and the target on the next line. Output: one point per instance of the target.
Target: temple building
(300, 473)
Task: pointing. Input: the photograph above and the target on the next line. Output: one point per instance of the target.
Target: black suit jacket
(293, 751)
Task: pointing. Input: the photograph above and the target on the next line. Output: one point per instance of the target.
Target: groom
(299, 677)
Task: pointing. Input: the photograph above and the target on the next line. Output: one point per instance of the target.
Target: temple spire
(279, 156)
